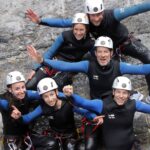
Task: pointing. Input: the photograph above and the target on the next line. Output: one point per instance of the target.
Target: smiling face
(18, 90)
(96, 19)
(50, 98)
(103, 55)
(79, 31)
(121, 96)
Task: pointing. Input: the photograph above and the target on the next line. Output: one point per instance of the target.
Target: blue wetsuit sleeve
(142, 107)
(81, 66)
(57, 22)
(32, 115)
(60, 94)
(36, 66)
(49, 54)
(4, 104)
(126, 68)
(89, 115)
(122, 13)
(33, 95)
(95, 105)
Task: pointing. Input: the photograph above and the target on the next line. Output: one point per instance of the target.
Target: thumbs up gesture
(16, 114)
(68, 90)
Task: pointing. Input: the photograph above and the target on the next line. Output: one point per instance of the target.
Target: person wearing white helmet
(107, 22)
(118, 111)
(101, 73)
(101, 70)
(70, 46)
(16, 99)
(60, 114)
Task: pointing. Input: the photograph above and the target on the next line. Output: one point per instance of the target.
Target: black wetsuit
(119, 34)
(118, 121)
(71, 50)
(62, 127)
(12, 130)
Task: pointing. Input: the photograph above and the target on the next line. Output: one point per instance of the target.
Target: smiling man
(101, 70)
(107, 22)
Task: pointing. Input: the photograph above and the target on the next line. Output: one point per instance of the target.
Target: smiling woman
(70, 46)
(48, 89)
(60, 116)
(16, 99)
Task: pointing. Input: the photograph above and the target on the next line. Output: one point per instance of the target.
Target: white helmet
(94, 6)
(80, 18)
(104, 41)
(45, 85)
(122, 83)
(14, 77)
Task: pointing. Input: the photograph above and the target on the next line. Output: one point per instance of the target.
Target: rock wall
(16, 32)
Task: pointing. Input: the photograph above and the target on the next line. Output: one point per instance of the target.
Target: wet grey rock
(16, 32)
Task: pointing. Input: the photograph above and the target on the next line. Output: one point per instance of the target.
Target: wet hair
(9, 86)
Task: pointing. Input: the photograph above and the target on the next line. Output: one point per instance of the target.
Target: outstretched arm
(81, 66)
(33, 95)
(56, 22)
(91, 105)
(95, 105)
(4, 104)
(122, 13)
(32, 115)
(142, 107)
(89, 115)
(126, 68)
(49, 54)
(52, 22)
(59, 65)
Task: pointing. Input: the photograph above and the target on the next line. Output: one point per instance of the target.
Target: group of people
(91, 47)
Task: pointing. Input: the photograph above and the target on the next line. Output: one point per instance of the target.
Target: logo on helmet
(103, 43)
(95, 9)
(124, 85)
(45, 87)
(79, 19)
(18, 78)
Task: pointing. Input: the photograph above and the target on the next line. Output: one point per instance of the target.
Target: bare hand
(99, 119)
(68, 90)
(16, 114)
(31, 74)
(33, 16)
(36, 56)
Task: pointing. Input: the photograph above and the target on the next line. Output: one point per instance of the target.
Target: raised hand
(68, 90)
(36, 56)
(16, 114)
(33, 16)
